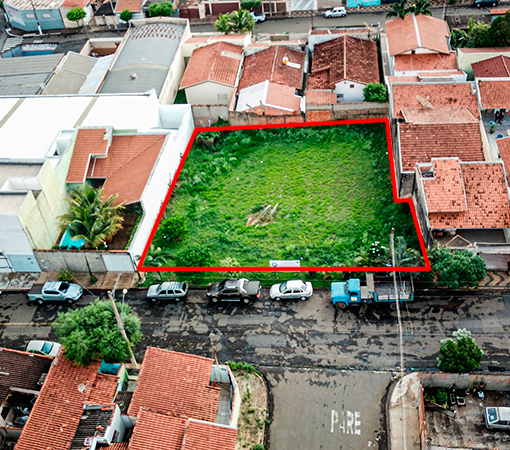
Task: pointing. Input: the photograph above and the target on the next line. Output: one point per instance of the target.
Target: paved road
(295, 334)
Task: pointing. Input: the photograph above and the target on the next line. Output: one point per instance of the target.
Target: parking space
(467, 429)
(327, 409)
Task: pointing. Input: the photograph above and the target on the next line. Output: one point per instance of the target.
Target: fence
(83, 260)
(348, 111)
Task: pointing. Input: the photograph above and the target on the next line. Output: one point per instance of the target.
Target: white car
(291, 290)
(258, 17)
(47, 348)
(339, 11)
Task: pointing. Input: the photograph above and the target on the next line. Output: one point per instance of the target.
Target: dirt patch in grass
(253, 416)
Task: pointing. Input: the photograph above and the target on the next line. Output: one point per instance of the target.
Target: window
(46, 16)
(222, 96)
(352, 86)
(29, 16)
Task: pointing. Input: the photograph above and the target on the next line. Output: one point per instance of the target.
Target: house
(86, 5)
(465, 198)
(212, 74)
(497, 67)
(179, 401)
(344, 65)
(494, 94)
(21, 379)
(33, 178)
(466, 57)
(150, 57)
(105, 15)
(318, 35)
(135, 6)
(29, 15)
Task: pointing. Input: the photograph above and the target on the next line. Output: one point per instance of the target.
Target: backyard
(320, 195)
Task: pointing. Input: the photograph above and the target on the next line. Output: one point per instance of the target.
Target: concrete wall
(206, 115)
(75, 260)
(493, 382)
(209, 93)
(350, 91)
(245, 118)
(350, 111)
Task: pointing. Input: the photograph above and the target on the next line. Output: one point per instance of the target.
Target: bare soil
(254, 413)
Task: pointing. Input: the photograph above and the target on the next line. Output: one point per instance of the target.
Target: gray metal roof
(148, 52)
(26, 75)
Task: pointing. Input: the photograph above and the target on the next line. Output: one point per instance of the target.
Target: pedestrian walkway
(495, 280)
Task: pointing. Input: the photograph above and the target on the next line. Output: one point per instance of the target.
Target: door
(24, 263)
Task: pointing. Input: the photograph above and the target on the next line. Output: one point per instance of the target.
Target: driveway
(327, 409)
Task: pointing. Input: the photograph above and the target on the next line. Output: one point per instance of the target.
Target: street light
(124, 292)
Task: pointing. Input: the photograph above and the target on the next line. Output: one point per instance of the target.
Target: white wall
(159, 182)
(464, 60)
(13, 240)
(351, 94)
(208, 94)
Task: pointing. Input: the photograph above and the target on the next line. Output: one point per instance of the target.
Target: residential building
(212, 74)
(105, 14)
(27, 15)
(469, 199)
(177, 399)
(466, 57)
(318, 35)
(497, 67)
(135, 6)
(150, 57)
(86, 5)
(344, 65)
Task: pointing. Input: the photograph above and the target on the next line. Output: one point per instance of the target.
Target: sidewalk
(495, 280)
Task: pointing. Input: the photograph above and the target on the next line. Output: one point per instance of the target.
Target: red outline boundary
(290, 269)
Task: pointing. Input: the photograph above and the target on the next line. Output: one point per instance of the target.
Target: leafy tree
(171, 230)
(223, 24)
(421, 7)
(126, 15)
(251, 4)
(157, 9)
(500, 30)
(457, 269)
(92, 332)
(90, 218)
(459, 38)
(375, 92)
(399, 9)
(461, 355)
(404, 256)
(76, 14)
(242, 21)
(193, 256)
(479, 35)
(157, 257)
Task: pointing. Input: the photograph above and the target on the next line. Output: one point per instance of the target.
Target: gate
(118, 262)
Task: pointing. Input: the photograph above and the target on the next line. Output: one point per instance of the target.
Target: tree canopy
(399, 9)
(500, 30)
(239, 21)
(76, 14)
(251, 4)
(461, 355)
(375, 92)
(421, 7)
(126, 15)
(157, 9)
(90, 218)
(92, 332)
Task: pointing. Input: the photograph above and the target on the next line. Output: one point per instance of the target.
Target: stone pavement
(495, 280)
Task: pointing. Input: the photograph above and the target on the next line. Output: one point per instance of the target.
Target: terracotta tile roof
(176, 383)
(21, 370)
(57, 412)
(415, 32)
(353, 30)
(497, 67)
(316, 97)
(494, 94)
(344, 58)
(157, 431)
(119, 446)
(504, 151)
(486, 197)
(282, 97)
(213, 39)
(208, 436)
(276, 98)
(426, 61)
(423, 116)
(421, 143)
(88, 141)
(132, 5)
(447, 94)
(403, 79)
(128, 166)
(213, 63)
(75, 4)
(445, 192)
(485, 50)
(499, 12)
(268, 65)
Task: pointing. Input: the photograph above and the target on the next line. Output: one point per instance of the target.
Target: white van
(497, 417)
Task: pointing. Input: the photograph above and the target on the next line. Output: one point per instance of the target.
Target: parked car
(339, 11)
(48, 348)
(259, 17)
(292, 289)
(58, 291)
(169, 290)
(497, 417)
(480, 3)
(234, 290)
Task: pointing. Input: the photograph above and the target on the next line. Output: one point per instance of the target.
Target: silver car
(48, 348)
(292, 289)
(339, 11)
(169, 290)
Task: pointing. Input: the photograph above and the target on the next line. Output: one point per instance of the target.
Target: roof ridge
(216, 56)
(417, 30)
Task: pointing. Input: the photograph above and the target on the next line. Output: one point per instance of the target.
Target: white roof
(37, 4)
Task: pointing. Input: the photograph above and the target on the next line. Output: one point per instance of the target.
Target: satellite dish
(424, 102)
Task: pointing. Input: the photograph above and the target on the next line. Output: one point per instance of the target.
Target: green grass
(332, 186)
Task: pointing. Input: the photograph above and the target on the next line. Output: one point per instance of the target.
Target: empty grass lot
(331, 185)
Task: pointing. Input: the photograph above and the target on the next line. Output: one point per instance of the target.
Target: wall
(349, 111)
(244, 118)
(207, 94)
(351, 91)
(111, 21)
(493, 382)
(75, 260)
(13, 240)
(420, 205)
(206, 115)
(49, 19)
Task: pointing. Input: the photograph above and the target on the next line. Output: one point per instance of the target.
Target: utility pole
(123, 331)
(36, 19)
(397, 301)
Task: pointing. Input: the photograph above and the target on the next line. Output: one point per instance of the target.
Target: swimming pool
(68, 242)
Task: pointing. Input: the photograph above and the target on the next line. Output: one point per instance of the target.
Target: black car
(234, 290)
(480, 3)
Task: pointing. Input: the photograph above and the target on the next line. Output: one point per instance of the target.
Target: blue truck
(376, 290)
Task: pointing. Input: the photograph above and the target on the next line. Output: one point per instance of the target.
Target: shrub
(126, 15)
(442, 397)
(161, 9)
(251, 4)
(193, 256)
(171, 230)
(76, 14)
(461, 355)
(456, 269)
(375, 92)
(258, 447)
(65, 275)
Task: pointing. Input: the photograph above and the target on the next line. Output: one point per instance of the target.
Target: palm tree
(223, 24)
(242, 21)
(90, 218)
(156, 257)
(422, 7)
(406, 257)
(399, 9)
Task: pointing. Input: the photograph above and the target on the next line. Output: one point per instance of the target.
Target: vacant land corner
(321, 195)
